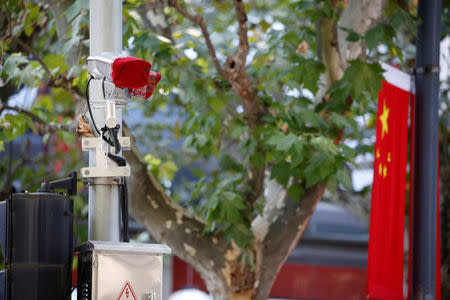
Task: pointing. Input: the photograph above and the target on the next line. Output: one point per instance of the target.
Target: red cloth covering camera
(130, 72)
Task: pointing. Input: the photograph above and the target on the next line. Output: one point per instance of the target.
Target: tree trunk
(277, 231)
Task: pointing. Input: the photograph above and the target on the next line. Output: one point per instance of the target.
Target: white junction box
(115, 271)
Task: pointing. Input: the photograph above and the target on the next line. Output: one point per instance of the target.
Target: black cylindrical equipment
(40, 246)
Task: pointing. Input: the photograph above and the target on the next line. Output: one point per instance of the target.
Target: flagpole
(424, 189)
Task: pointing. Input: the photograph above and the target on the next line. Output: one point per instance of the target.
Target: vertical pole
(425, 152)
(105, 35)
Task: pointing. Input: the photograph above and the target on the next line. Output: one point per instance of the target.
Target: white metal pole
(105, 35)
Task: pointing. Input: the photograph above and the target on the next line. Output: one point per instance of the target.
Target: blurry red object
(147, 90)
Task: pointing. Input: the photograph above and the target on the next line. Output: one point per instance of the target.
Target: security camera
(124, 72)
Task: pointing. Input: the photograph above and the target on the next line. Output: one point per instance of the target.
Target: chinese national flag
(387, 215)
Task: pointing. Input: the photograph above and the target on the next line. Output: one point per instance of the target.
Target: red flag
(387, 215)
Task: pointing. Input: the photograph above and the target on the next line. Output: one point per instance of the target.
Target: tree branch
(241, 17)
(328, 49)
(199, 21)
(65, 83)
(31, 51)
(235, 69)
(44, 126)
(53, 81)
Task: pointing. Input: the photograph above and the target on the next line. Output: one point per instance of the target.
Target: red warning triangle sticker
(127, 292)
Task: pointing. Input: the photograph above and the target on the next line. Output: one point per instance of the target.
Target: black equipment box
(39, 246)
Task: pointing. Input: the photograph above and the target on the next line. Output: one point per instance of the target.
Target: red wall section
(295, 281)
(319, 282)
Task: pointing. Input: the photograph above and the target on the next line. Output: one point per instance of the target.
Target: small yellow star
(380, 169)
(389, 157)
(385, 171)
(384, 120)
(378, 153)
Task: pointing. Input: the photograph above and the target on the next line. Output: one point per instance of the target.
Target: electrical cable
(89, 104)
(125, 216)
(75, 243)
(123, 198)
(103, 88)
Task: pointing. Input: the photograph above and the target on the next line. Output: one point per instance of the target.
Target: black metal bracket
(110, 136)
(69, 184)
(427, 69)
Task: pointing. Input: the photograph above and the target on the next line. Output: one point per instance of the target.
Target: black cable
(122, 233)
(123, 198)
(103, 88)
(68, 213)
(89, 104)
(77, 226)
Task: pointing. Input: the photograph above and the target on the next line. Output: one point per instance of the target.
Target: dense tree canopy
(257, 99)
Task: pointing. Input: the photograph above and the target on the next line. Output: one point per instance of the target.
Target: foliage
(29, 35)
(195, 121)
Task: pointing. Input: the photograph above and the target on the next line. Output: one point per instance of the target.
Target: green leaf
(264, 25)
(374, 36)
(280, 171)
(344, 178)
(378, 34)
(2, 146)
(307, 72)
(324, 144)
(230, 211)
(32, 15)
(319, 167)
(44, 102)
(81, 79)
(297, 154)
(151, 160)
(305, 4)
(295, 191)
(282, 142)
(15, 125)
(201, 139)
(28, 76)
(341, 121)
(310, 119)
(177, 131)
(62, 97)
(401, 17)
(353, 37)
(167, 170)
(68, 138)
(56, 61)
(76, 8)
(216, 104)
(365, 77)
(359, 79)
(240, 234)
(11, 67)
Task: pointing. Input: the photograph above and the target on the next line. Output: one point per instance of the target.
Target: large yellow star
(383, 119)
